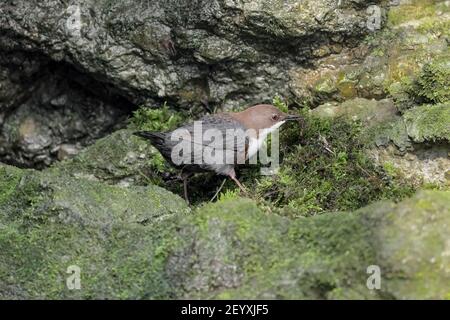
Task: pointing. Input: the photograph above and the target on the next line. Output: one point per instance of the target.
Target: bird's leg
(185, 177)
(239, 185)
(218, 190)
(232, 175)
(205, 104)
(185, 187)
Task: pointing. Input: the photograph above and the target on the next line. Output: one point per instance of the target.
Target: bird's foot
(241, 187)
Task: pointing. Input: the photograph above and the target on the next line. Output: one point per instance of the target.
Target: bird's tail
(156, 138)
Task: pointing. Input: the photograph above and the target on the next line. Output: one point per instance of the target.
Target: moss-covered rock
(428, 123)
(413, 11)
(412, 242)
(117, 236)
(142, 243)
(119, 157)
(304, 235)
(234, 250)
(412, 147)
(408, 61)
(433, 84)
(422, 145)
(424, 165)
(369, 112)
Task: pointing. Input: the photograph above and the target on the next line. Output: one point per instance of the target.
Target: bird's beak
(291, 117)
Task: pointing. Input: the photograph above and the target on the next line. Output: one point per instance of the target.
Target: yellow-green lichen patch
(414, 10)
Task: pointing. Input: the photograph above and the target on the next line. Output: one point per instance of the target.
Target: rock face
(187, 51)
(398, 83)
(44, 106)
(88, 62)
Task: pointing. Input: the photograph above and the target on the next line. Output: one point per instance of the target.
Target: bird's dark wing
(220, 135)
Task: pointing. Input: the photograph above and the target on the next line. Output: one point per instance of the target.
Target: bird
(249, 127)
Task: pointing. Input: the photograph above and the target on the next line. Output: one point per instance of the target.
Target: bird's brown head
(263, 116)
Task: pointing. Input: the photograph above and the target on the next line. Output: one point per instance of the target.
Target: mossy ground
(325, 167)
(233, 248)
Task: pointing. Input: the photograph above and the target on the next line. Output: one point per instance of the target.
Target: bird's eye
(275, 117)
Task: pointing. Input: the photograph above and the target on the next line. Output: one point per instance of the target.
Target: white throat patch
(255, 143)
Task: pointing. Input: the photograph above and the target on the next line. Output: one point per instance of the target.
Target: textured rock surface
(143, 243)
(414, 145)
(45, 105)
(422, 144)
(88, 62)
(227, 254)
(116, 235)
(369, 112)
(417, 34)
(407, 66)
(221, 51)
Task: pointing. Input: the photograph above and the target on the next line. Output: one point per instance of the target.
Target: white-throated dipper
(218, 142)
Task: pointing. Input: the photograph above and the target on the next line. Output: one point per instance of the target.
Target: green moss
(258, 255)
(433, 84)
(280, 103)
(324, 168)
(430, 84)
(436, 26)
(119, 237)
(272, 253)
(414, 253)
(428, 123)
(157, 119)
(9, 179)
(128, 244)
(415, 10)
(22, 193)
(419, 69)
(126, 262)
